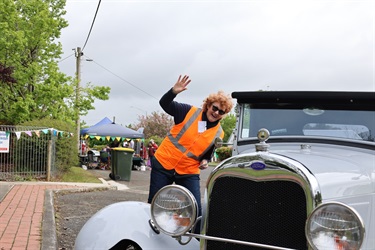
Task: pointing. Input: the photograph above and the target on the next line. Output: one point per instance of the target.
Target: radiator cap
(263, 135)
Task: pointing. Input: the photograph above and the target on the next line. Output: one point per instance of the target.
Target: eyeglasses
(214, 108)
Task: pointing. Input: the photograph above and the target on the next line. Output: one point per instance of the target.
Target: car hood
(341, 171)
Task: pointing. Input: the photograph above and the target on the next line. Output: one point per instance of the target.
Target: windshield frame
(314, 101)
(307, 121)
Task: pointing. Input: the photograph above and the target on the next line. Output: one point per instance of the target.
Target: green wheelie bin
(121, 163)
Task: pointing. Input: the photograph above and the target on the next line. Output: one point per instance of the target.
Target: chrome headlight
(174, 210)
(335, 226)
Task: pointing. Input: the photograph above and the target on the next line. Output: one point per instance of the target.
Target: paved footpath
(21, 212)
(27, 219)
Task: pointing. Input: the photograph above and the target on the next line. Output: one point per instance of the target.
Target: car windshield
(349, 124)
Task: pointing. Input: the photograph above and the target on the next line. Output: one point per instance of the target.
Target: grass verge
(77, 174)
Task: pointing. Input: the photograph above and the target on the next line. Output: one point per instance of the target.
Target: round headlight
(174, 210)
(335, 226)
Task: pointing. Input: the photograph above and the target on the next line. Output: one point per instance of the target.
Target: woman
(188, 147)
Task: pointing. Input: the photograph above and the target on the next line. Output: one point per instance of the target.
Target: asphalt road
(73, 209)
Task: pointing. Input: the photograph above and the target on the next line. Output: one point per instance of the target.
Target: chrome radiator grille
(266, 212)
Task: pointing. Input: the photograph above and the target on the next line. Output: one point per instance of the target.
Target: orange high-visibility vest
(183, 148)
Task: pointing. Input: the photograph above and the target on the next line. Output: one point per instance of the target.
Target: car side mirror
(218, 142)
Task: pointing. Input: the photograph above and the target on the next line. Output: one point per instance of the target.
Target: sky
(139, 48)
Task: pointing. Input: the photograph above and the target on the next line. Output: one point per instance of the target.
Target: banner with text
(4, 142)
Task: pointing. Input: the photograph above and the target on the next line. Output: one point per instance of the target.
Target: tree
(88, 95)
(228, 124)
(6, 74)
(156, 124)
(29, 54)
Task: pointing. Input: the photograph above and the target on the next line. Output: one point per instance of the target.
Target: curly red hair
(225, 101)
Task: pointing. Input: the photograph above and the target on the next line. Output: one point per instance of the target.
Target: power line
(66, 58)
(135, 86)
(92, 25)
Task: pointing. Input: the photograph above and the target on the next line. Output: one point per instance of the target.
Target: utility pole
(78, 54)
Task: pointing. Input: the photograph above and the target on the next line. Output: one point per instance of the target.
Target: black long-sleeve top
(179, 111)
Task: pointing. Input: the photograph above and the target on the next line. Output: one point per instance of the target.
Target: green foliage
(22, 178)
(77, 174)
(228, 124)
(28, 46)
(224, 153)
(88, 96)
(97, 144)
(66, 147)
(158, 140)
(32, 87)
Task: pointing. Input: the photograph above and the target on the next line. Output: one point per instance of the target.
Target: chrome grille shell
(259, 202)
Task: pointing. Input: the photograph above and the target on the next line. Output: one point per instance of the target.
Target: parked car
(301, 176)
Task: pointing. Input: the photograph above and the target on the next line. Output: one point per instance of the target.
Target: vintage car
(301, 176)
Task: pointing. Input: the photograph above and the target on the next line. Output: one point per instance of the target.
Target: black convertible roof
(319, 99)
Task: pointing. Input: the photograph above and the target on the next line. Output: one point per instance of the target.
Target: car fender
(128, 220)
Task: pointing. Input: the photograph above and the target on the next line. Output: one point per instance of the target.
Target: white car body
(301, 176)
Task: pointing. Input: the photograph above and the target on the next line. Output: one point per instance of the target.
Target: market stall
(115, 134)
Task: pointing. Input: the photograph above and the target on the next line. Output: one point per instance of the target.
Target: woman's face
(215, 112)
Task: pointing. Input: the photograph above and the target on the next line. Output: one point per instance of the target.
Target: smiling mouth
(214, 116)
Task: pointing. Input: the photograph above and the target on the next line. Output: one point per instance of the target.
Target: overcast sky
(139, 48)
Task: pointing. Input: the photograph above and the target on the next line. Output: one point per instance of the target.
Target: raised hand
(181, 84)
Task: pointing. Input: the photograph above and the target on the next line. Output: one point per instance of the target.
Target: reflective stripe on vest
(190, 155)
(184, 147)
(175, 140)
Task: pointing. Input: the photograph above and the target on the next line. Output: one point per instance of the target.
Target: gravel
(72, 210)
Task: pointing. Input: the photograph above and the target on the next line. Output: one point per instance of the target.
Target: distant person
(105, 157)
(131, 144)
(83, 148)
(143, 151)
(152, 147)
(108, 150)
(114, 144)
(189, 145)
